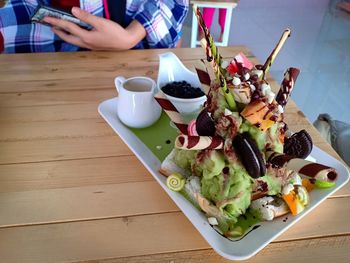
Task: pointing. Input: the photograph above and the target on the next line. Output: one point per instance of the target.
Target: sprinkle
(227, 112)
(246, 76)
(280, 109)
(265, 88)
(236, 81)
(159, 147)
(257, 72)
(270, 96)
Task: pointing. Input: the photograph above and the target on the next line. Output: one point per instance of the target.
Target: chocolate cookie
(250, 155)
(205, 125)
(299, 145)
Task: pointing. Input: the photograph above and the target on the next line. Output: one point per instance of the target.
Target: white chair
(227, 4)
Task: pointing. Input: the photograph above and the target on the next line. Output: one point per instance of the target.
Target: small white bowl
(171, 69)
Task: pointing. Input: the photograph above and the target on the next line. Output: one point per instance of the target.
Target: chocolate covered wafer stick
(313, 170)
(306, 168)
(198, 142)
(287, 86)
(275, 52)
(171, 111)
(214, 57)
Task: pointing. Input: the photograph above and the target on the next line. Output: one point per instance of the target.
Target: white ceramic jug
(137, 107)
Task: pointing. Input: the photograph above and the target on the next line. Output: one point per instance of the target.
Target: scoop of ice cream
(185, 159)
(209, 163)
(230, 190)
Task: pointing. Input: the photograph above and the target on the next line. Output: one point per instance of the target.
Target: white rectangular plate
(254, 241)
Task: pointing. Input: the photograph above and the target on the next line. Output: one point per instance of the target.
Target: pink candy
(191, 128)
(240, 58)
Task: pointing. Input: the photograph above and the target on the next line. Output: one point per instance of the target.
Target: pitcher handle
(118, 82)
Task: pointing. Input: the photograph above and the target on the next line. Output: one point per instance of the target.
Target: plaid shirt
(162, 20)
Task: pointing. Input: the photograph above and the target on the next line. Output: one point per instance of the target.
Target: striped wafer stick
(203, 75)
(306, 168)
(287, 86)
(171, 111)
(198, 142)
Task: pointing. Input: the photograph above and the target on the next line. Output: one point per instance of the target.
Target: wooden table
(71, 190)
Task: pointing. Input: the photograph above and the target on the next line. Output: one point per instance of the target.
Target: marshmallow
(270, 96)
(227, 112)
(280, 109)
(265, 88)
(236, 81)
(257, 72)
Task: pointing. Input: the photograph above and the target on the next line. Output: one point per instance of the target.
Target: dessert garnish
(251, 157)
(235, 161)
(205, 125)
(298, 145)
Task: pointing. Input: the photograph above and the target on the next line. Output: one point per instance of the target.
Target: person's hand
(105, 35)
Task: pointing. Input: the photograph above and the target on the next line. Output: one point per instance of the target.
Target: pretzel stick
(275, 52)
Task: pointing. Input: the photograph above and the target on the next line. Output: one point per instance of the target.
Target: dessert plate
(152, 144)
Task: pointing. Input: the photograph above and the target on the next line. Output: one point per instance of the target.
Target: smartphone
(42, 11)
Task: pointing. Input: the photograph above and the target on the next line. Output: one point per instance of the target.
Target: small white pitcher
(137, 107)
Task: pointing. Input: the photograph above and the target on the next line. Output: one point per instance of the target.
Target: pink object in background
(208, 14)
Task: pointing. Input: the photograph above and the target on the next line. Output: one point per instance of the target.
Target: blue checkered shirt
(162, 20)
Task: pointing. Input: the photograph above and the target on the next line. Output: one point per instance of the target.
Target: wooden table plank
(130, 199)
(325, 250)
(132, 236)
(33, 131)
(61, 112)
(83, 203)
(44, 98)
(62, 149)
(72, 173)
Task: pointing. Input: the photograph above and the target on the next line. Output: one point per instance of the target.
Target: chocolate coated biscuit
(250, 155)
(205, 125)
(299, 145)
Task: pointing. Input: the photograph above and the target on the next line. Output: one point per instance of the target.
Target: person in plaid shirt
(151, 24)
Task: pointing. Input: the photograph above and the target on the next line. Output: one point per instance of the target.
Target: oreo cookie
(250, 155)
(299, 145)
(205, 125)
